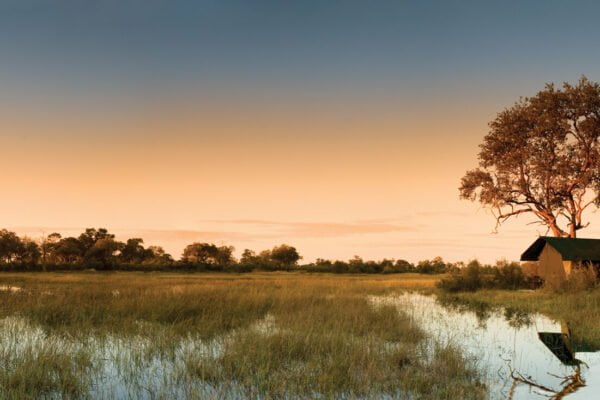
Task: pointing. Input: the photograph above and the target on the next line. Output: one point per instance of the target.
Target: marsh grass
(34, 366)
(330, 346)
(227, 336)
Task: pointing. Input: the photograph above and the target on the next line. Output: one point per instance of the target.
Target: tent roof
(560, 345)
(570, 249)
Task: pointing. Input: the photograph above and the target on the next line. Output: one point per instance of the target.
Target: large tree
(10, 246)
(541, 157)
(207, 253)
(285, 256)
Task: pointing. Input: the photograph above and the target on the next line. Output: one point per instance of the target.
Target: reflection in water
(523, 356)
(562, 346)
(570, 384)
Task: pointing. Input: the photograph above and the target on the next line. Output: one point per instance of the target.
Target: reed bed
(265, 335)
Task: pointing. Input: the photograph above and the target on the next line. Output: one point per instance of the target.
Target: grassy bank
(580, 309)
(268, 335)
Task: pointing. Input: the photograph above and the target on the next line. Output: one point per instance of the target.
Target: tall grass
(583, 277)
(35, 366)
(253, 336)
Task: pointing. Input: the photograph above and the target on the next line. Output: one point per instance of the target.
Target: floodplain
(272, 335)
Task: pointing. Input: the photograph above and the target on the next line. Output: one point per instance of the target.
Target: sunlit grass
(33, 365)
(267, 335)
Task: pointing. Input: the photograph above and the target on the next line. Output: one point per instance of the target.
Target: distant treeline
(98, 249)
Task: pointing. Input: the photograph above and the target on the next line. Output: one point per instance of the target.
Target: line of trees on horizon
(98, 249)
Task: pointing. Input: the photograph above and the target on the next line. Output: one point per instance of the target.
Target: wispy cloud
(430, 243)
(189, 235)
(149, 235)
(319, 229)
(441, 214)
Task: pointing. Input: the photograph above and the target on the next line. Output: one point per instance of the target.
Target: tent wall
(551, 267)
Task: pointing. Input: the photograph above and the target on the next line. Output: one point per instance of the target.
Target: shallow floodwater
(502, 345)
(506, 345)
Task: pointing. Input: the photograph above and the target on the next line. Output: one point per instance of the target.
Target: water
(502, 345)
(7, 288)
(505, 345)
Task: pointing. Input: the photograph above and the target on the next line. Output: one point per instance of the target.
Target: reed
(264, 335)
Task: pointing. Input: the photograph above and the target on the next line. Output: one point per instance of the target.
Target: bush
(509, 275)
(466, 279)
(434, 266)
(239, 268)
(476, 276)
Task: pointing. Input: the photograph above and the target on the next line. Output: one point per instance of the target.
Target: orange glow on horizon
(173, 177)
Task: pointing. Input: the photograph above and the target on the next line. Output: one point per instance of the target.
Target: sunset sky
(340, 127)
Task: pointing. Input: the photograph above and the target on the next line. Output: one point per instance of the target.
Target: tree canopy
(99, 249)
(541, 157)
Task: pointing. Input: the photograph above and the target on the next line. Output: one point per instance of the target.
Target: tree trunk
(572, 231)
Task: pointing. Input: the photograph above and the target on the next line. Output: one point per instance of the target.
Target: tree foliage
(99, 249)
(208, 254)
(14, 249)
(541, 157)
(284, 256)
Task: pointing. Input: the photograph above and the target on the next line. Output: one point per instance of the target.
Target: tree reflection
(483, 311)
(569, 384)
(562, 346)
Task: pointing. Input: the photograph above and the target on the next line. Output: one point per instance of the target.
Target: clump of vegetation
(475, 276)
(42, 367)
(334, 345)
(330, 346)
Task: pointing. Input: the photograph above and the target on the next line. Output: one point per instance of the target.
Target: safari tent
(554, 257)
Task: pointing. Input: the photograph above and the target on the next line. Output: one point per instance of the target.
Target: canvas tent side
(551, 265)
(554, 258)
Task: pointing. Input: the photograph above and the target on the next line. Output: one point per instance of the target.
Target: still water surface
(506, 345)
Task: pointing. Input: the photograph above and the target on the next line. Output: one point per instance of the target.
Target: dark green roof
(560, 345)
(569, 248)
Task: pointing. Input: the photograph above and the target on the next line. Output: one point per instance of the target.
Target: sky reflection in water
(500, 341)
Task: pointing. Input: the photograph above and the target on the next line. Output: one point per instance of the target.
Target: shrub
(466, 279)
(509, 275)
(238, 267)
(475, 276)
(434, 266)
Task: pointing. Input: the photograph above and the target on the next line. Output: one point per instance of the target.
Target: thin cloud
(190, 235)
(457, 214)
(321, 229)
(149, 235)
(238, 231)
(433, 244)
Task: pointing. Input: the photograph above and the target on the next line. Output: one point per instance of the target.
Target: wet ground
(520, 356)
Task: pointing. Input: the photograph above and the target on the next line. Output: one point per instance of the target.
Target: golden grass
(208, 304)
(277, 335)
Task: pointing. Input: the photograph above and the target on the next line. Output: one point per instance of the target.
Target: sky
(340, 127)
